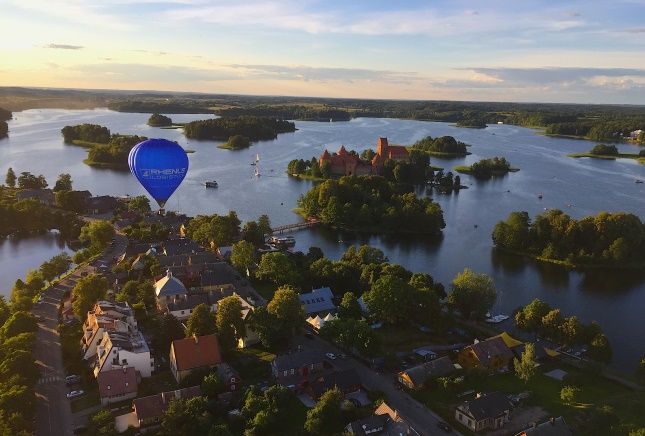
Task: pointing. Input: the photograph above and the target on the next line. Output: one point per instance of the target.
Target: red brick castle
(348, 164)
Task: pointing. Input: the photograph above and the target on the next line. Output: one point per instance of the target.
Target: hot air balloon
(160, 166)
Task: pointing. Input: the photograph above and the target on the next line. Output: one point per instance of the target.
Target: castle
(348, 164)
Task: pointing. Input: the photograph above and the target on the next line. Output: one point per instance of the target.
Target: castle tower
(382, 147)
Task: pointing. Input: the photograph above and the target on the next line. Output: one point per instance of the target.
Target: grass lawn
(159, 382)
(405, 338)
(266, 289)
(253, 364)
(545, 393)
(90, 399)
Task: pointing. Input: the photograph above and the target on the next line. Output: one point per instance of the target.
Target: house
(101, 204)
(104, 317)
(119, 349)
(395, 425)
(180, 247)
(493, 353)
(117, 385)
(193, 354)
(229, 376)
(374, 424)
(167, 288)
(486, 412)
(45, 196)
(318, 301)
(417, 376)
(148, 411)
(296, 369)
(347, 381)
(552, 427)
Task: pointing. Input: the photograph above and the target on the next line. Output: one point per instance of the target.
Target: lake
(580, 187)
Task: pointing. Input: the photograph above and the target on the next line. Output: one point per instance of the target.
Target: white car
(331, 356)
(75, 394)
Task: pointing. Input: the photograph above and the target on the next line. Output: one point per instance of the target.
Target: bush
(569, 394)
(604, 150)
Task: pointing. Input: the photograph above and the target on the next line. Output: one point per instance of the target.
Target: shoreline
(568, 265)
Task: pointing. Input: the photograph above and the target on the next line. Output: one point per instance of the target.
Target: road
(422, 419)
(53, 412)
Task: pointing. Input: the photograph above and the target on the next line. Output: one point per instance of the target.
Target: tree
(201, 322)
(530, 317)
(219, 430)
(267, 327)
(525, 368)
(29, 181)
(10, 179)
(326, 417)
(186, 418)
(102, 423)
(472, 294)
(390, 300)
(600, 349)
(568, 394)
(18, 322)
(264, 225)
(349, 307)
(277, 268)
(87, 292)
(63, 183)
(266, 412)
(168, 328)
(212, 385)
(252, 233)
(551, 323)
(243, 255)
(97, 234)
(139, 204)
(229, 321)
(286, 307)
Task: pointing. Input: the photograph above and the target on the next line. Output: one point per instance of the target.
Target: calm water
(578, 186)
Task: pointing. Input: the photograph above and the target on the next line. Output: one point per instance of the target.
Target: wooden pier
(296, 226)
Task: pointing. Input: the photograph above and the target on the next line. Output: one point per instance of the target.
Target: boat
(496, 319)
(211, 184)
(638, 181)
(257, 172)
(540, 196)
(282, 241)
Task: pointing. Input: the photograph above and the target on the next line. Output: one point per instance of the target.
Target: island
(610, 152)
(105, 150)
(606, 240)
(158, 120)
(371, 204)
(4, 129)
(254, 128)
(236, 142)
(444, 146)
(472, 122)
(487, 168)
(5, 115)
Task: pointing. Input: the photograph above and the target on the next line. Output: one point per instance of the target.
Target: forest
(607, 239)
(372, 203)
(254, 128)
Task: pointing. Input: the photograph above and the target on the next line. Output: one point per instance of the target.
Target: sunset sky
(552, 51)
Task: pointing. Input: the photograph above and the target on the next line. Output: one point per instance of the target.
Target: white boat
(257, 172)
(284, 241)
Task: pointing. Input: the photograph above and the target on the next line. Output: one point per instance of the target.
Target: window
(182, 312)
(285, 372)
(293, 371)
(126, 384)
(109, 387)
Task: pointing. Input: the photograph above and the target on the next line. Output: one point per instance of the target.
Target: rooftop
(169, 286)
(318, 300)
(155, 405)
(196, 352)
(117, 382)
(297, 359)
(486, 406)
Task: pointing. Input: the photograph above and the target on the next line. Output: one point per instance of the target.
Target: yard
(265, 289)
(545, 393)
(405, 338)
(253, 364)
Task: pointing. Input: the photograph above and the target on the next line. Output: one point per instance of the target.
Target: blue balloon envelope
(160, 166)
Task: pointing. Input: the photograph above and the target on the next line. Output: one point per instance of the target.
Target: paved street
(53, 412)
(420, 417)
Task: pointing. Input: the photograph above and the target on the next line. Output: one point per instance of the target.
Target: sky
(489, 50)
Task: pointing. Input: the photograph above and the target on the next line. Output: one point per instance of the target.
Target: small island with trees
(610, 152)
(158, 120)
(236, 142)
(5, 116)
(614, 240)
(444, 146)
(487, 168)
(254, 128)
(372, 204)
(105, 150)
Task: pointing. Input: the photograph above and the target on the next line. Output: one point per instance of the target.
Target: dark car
(72, 379)
(444, 426)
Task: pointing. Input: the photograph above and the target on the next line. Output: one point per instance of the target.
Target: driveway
(422, 419)
(53, 412)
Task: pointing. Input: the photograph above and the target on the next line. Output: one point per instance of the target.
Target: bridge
(310, 222)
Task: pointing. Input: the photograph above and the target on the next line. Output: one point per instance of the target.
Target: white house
(168, 288)
(118, 350)
(318, 301)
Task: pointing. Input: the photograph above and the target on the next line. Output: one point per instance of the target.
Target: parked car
(331, 356)
(444, 426)
(74, 394)
(72, 379)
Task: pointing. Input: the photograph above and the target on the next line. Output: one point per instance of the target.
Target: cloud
(131, 72)
(63, 46)
(550, 75)
(324, 74)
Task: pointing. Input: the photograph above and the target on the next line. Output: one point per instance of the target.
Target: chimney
(479, 395)
(196, 339)
(168, 273)
(552, 420)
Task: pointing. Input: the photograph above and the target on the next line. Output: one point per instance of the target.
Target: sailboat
(257, 172)
(257, 159)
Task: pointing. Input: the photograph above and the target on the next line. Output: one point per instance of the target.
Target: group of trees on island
(372, 203)
(604, 150)
(288, 112)
(607, 239)
(444, 146)
(254, 128)
(105, 149)
(541, 319)
(5, 115)
(237, 142)
(158, 120)
(487, 168)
